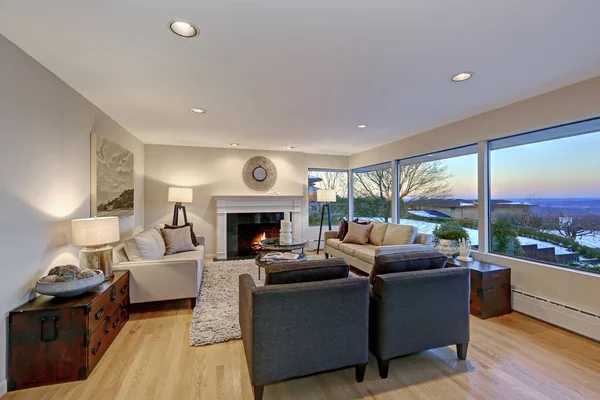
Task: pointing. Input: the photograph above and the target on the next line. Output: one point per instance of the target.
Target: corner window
(373, 192)
(327, 179)
(545, 196)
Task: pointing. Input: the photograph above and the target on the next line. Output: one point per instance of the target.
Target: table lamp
(179, 195)
(94, 234)
(325, 196)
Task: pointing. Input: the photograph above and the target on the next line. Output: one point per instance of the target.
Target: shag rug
(216, 316)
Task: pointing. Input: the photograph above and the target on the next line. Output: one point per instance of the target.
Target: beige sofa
(176, 276)
(363, 256)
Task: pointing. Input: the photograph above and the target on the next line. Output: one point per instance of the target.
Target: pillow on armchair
(406, 262)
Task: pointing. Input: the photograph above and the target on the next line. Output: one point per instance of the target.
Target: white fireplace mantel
(255, 204)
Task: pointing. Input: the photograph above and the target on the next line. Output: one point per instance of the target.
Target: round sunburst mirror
(259, 174)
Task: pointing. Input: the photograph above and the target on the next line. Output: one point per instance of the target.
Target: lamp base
(97, 258)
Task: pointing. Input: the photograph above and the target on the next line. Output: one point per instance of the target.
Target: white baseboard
(3, 388)
(558, 314)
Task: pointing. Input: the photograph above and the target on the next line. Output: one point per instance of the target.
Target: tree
(505, 239)
(336, 180)
(373, 189)
(578, 226)
(373, 193)
(425, 180)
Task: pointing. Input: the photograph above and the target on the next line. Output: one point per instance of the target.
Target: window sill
(504, 260)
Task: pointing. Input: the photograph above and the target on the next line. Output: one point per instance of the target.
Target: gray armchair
(418, 310)
(296, 329)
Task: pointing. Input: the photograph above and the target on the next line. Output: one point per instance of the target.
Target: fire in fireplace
(245, 231)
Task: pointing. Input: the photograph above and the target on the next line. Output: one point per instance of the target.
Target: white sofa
(176, 276)
(363, 256)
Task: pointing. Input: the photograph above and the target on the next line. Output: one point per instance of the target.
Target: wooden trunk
(54, 340)
(490, 288)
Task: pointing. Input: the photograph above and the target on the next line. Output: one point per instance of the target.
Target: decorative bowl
(69, 289)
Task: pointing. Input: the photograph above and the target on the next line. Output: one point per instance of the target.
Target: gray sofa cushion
(406, 262)
(306, 271)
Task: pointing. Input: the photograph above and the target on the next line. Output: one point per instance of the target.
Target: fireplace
(227, 235)
(246, 230)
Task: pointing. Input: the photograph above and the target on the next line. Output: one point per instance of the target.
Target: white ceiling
(273, 73)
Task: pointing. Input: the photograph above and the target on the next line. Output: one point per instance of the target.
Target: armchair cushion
(306, 271)
(405, 262)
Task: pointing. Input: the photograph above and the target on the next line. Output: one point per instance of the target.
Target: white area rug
(216, 314)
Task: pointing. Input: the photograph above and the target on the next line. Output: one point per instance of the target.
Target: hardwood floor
(510, 357)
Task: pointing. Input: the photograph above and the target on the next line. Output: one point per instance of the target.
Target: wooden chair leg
(360, 372)
(384, 367)
(193, 302)
(461, 350)
(258, 391)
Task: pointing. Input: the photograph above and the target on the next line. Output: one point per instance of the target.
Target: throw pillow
(343, 229)
(148, 246)
(399, 235)
(131, 250)
(178, 240)
(160, 241)
(357, 233)
(378, 233)
(407, 262)
(306, 271)
(191, 225)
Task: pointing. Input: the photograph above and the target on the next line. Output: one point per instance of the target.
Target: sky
(562, 168)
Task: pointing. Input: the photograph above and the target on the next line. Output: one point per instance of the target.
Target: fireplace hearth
(246, 230)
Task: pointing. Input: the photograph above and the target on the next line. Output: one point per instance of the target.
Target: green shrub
(450, 230)
(505, 238)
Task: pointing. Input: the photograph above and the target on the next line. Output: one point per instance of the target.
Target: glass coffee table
(274, 245)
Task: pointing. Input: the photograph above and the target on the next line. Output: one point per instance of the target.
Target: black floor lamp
(179, 195)
(325, 196)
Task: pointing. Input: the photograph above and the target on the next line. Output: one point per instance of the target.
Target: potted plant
(446, 237)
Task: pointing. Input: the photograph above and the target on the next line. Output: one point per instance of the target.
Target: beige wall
(45, 131)
(218, 172)
(570, 103)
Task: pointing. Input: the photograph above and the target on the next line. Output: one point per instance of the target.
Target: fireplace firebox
(246, 230)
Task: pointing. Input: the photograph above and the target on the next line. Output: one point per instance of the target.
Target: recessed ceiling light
(197, 110)
(463, 76)
(234, 144)
(183, 29)
(362, 126)
(290, 147)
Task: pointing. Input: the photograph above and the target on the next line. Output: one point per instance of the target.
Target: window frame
(348, 186)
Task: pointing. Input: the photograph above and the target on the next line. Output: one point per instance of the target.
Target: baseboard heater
(573, 319)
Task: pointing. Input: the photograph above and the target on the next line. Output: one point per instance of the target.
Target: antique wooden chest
(490, 288)
(53, 340)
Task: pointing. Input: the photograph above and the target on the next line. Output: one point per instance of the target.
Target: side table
(490, 288)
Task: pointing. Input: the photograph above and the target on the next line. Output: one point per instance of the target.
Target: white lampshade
(95, 231)
(326, 196)
(180, 195)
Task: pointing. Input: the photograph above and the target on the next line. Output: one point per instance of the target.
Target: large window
(545, 195)
(327, 179)
(440, 188)
(373, 192)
